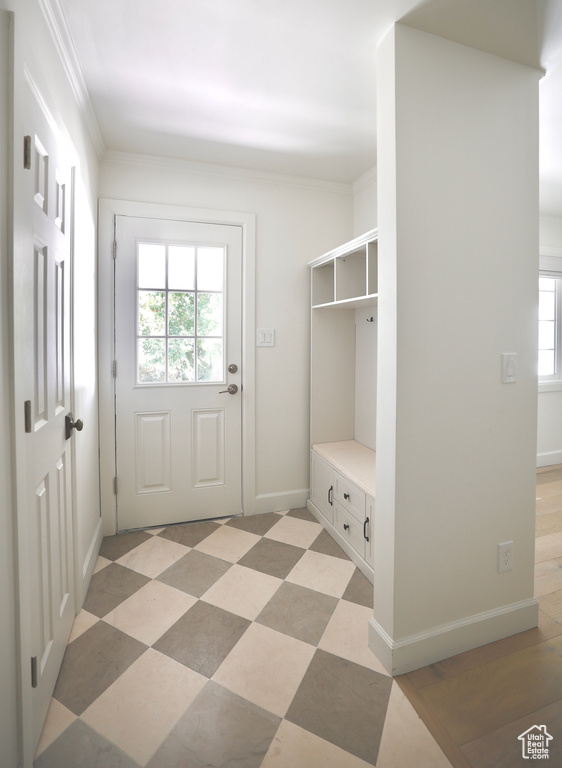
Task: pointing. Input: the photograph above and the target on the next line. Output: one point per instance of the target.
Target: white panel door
(177, 352)
(42, 383)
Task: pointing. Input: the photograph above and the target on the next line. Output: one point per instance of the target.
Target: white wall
(458, 247)
(365, 202)
(366, 376)
(8, 692)
(549, 432)
(296, 220)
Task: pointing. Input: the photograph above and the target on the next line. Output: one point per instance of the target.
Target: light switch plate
(509, 367)
(266, 337)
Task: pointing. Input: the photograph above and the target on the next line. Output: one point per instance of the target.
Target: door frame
(107, 210)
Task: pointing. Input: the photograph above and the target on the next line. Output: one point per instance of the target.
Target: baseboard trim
(415, 651)
(89, 564)
(278, 502)
(549, 458)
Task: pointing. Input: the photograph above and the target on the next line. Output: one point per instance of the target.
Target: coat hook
(370, 320)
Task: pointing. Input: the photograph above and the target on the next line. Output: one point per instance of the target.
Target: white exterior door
(177, 366)
(42, 386)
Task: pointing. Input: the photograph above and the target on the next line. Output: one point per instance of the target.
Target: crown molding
(211, 169)
(58, 28)
(368, 178)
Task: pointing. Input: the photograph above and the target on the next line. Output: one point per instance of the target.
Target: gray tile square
(302, 513)
(299, 612)
(114, 547)
(258, 524)
(92, 663)
(110, 587)
(194, 573)
(80, 747)
(326, 545)
(343, 703)
(272, 557)
(189, 534)
(203, 637)
(359, 590)
(219, 729)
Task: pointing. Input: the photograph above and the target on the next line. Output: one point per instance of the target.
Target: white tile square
(347, 635)
(243, 591)
(405, 739)
(82, 622)
(293, 530)
(101, 563)
(153, 556)
(150, 612)
(265, 667)
(142, 706)
(323, 573)
(228, 543)
(293, 747)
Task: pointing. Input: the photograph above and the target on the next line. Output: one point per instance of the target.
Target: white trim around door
(107, 211)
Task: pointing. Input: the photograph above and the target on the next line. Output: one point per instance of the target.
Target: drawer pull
(365, 524)
(346, 527)
(330, 502)
(346, 496)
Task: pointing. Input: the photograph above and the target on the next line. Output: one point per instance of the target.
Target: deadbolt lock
(232, 368)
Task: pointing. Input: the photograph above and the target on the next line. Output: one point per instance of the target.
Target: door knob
(232, 389)
(69, 425)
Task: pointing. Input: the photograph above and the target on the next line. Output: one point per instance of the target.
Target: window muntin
(180, 313)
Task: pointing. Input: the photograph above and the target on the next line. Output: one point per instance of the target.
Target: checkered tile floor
(237, 642)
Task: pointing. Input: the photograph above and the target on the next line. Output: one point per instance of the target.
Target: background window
(550, 291)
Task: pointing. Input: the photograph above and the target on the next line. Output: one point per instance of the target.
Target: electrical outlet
(505, 556)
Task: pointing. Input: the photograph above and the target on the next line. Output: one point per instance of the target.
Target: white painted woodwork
(153, 467)
(343, 391)
(42, 375)
(322, 486)
(208, 443)
(345, 508)
(353, 460)
(178, 445)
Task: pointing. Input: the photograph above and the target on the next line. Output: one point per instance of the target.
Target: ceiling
(285, 86)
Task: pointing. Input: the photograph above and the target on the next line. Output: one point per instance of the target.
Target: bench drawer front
(349, 496)
(349, 528)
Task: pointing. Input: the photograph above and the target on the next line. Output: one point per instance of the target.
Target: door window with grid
(180, 313)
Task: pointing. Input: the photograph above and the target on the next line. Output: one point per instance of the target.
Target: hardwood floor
(476, 704)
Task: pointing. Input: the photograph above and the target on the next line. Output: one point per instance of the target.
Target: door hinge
(27, 153)
(114, 369)
(34, 671)
(27, 415)
(114, 249)
(115, 486)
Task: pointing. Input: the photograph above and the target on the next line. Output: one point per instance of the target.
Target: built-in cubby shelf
(343, 345)
(347, 276)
